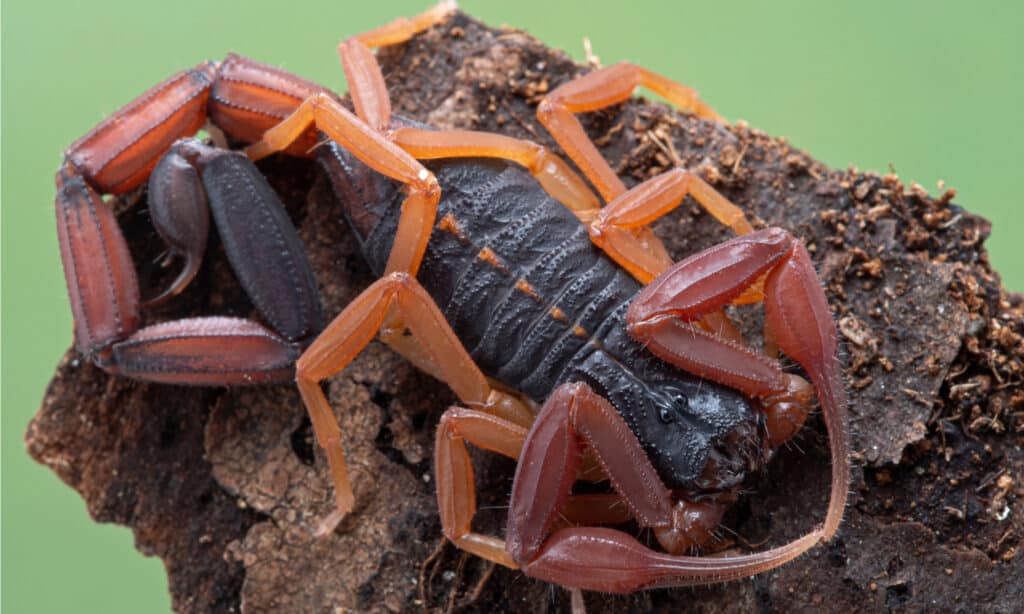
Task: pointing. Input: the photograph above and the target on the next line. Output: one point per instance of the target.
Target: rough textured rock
(225, 485)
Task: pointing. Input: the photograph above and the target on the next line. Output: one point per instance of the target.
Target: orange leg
(615, 230)
(376, 151)
(612, 229)
(456, 493)
(365, 81)
(349, 333)
(365, 136)
(596, 90)
(402, 29)
(550, 171)
(373, 106)
(621, 228)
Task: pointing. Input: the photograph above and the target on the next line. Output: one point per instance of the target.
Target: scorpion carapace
(537, 305)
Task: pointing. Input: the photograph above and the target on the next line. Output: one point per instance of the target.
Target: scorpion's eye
(670, 413)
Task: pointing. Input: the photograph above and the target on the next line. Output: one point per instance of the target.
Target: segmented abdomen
(514, 273)
(536, 304)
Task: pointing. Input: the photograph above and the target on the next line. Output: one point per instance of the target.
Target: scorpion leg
(797, 318)
(349, 333)
(376, 151)
(620, 228)
(613, 228)
(366, 83)
(456, 493)
(602, 88)
(402, 29)
(365, 133)
(601, 559)
(550, 171)
(365, 80)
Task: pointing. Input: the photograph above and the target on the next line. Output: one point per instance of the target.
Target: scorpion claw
(101, 277)
(180, 214)
(204, 352)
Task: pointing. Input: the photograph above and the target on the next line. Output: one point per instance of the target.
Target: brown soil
(225, 485)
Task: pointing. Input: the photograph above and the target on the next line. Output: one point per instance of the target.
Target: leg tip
(330, 523)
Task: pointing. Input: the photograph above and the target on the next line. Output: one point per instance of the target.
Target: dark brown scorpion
(490, 269)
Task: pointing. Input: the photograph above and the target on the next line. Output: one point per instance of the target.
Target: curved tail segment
(603, 559)
(609, 561)
(798, 316)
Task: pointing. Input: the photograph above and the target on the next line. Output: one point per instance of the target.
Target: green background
(933, 88)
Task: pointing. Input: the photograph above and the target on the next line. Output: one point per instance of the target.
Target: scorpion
(499, 271)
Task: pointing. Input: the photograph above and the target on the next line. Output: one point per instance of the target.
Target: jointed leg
(402, 29)
(365, 81)
(377, 152)
(620, 228)
(366, 136)
(614, 228)
(550, 171)
(596, 90)
(456, 494)
(349, 333)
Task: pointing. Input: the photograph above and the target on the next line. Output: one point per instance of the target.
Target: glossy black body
(536, 304)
